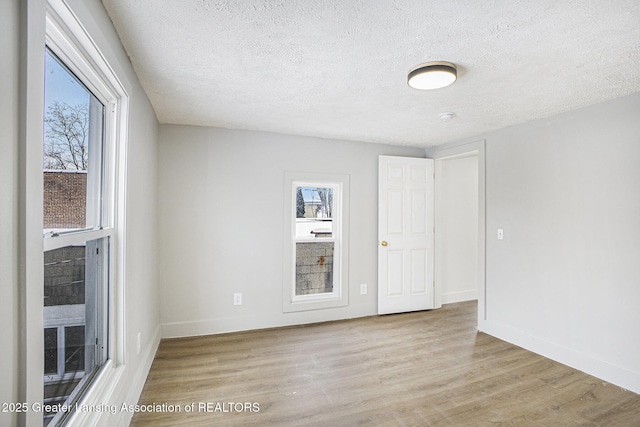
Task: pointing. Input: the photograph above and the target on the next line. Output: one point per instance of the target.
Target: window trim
(339, 297)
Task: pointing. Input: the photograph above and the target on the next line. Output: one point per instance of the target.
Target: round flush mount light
(432, 75)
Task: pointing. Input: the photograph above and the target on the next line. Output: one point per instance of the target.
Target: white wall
(456, 239)
(9, 22)
(140, 297)
(210, 183)
(565, 281)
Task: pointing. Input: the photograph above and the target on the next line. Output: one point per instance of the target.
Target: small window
(316, 237)
(316, 212)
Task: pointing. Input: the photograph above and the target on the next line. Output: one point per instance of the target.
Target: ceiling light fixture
(432, 75)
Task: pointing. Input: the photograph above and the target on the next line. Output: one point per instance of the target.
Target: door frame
(460, 149)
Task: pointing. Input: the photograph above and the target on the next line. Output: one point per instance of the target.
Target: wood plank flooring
(416, 369)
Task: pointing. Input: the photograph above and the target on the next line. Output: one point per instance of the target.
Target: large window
(84, 114)
(75, 314)
(315, 267)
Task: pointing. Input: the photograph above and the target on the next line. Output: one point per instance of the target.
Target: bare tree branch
(66, 136)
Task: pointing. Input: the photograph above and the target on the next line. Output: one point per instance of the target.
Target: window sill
(98, 396)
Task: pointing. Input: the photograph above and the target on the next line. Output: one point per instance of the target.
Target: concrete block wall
(314, 267)
(64, 274)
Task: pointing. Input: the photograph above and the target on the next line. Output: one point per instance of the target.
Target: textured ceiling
(337, 68)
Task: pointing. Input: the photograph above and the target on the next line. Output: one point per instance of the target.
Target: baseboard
(604, 370)
(140, 377)
(460, 296)
(258, 321)
(223, 326)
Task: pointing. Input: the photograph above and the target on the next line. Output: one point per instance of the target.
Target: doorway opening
(460, 225)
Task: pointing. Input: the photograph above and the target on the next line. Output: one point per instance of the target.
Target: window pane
(64, 273)
(314, 268)
(74, 348)
(314, 212)
(75, 290)
(314, 202)
(51, 351)
(72, 151)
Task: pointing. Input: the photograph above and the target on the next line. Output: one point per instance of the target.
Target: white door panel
(405, 234)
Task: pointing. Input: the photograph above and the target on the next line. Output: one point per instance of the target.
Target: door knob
(384, 243)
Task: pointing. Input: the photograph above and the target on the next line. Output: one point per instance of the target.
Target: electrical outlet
(500, 234)
(138, 343)
(363, 289)
(237, 299)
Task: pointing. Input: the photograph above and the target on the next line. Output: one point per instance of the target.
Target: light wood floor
(416, 369)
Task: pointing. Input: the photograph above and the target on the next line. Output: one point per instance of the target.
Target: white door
(405, 234)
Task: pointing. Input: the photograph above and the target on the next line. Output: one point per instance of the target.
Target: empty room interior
(271, 212)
